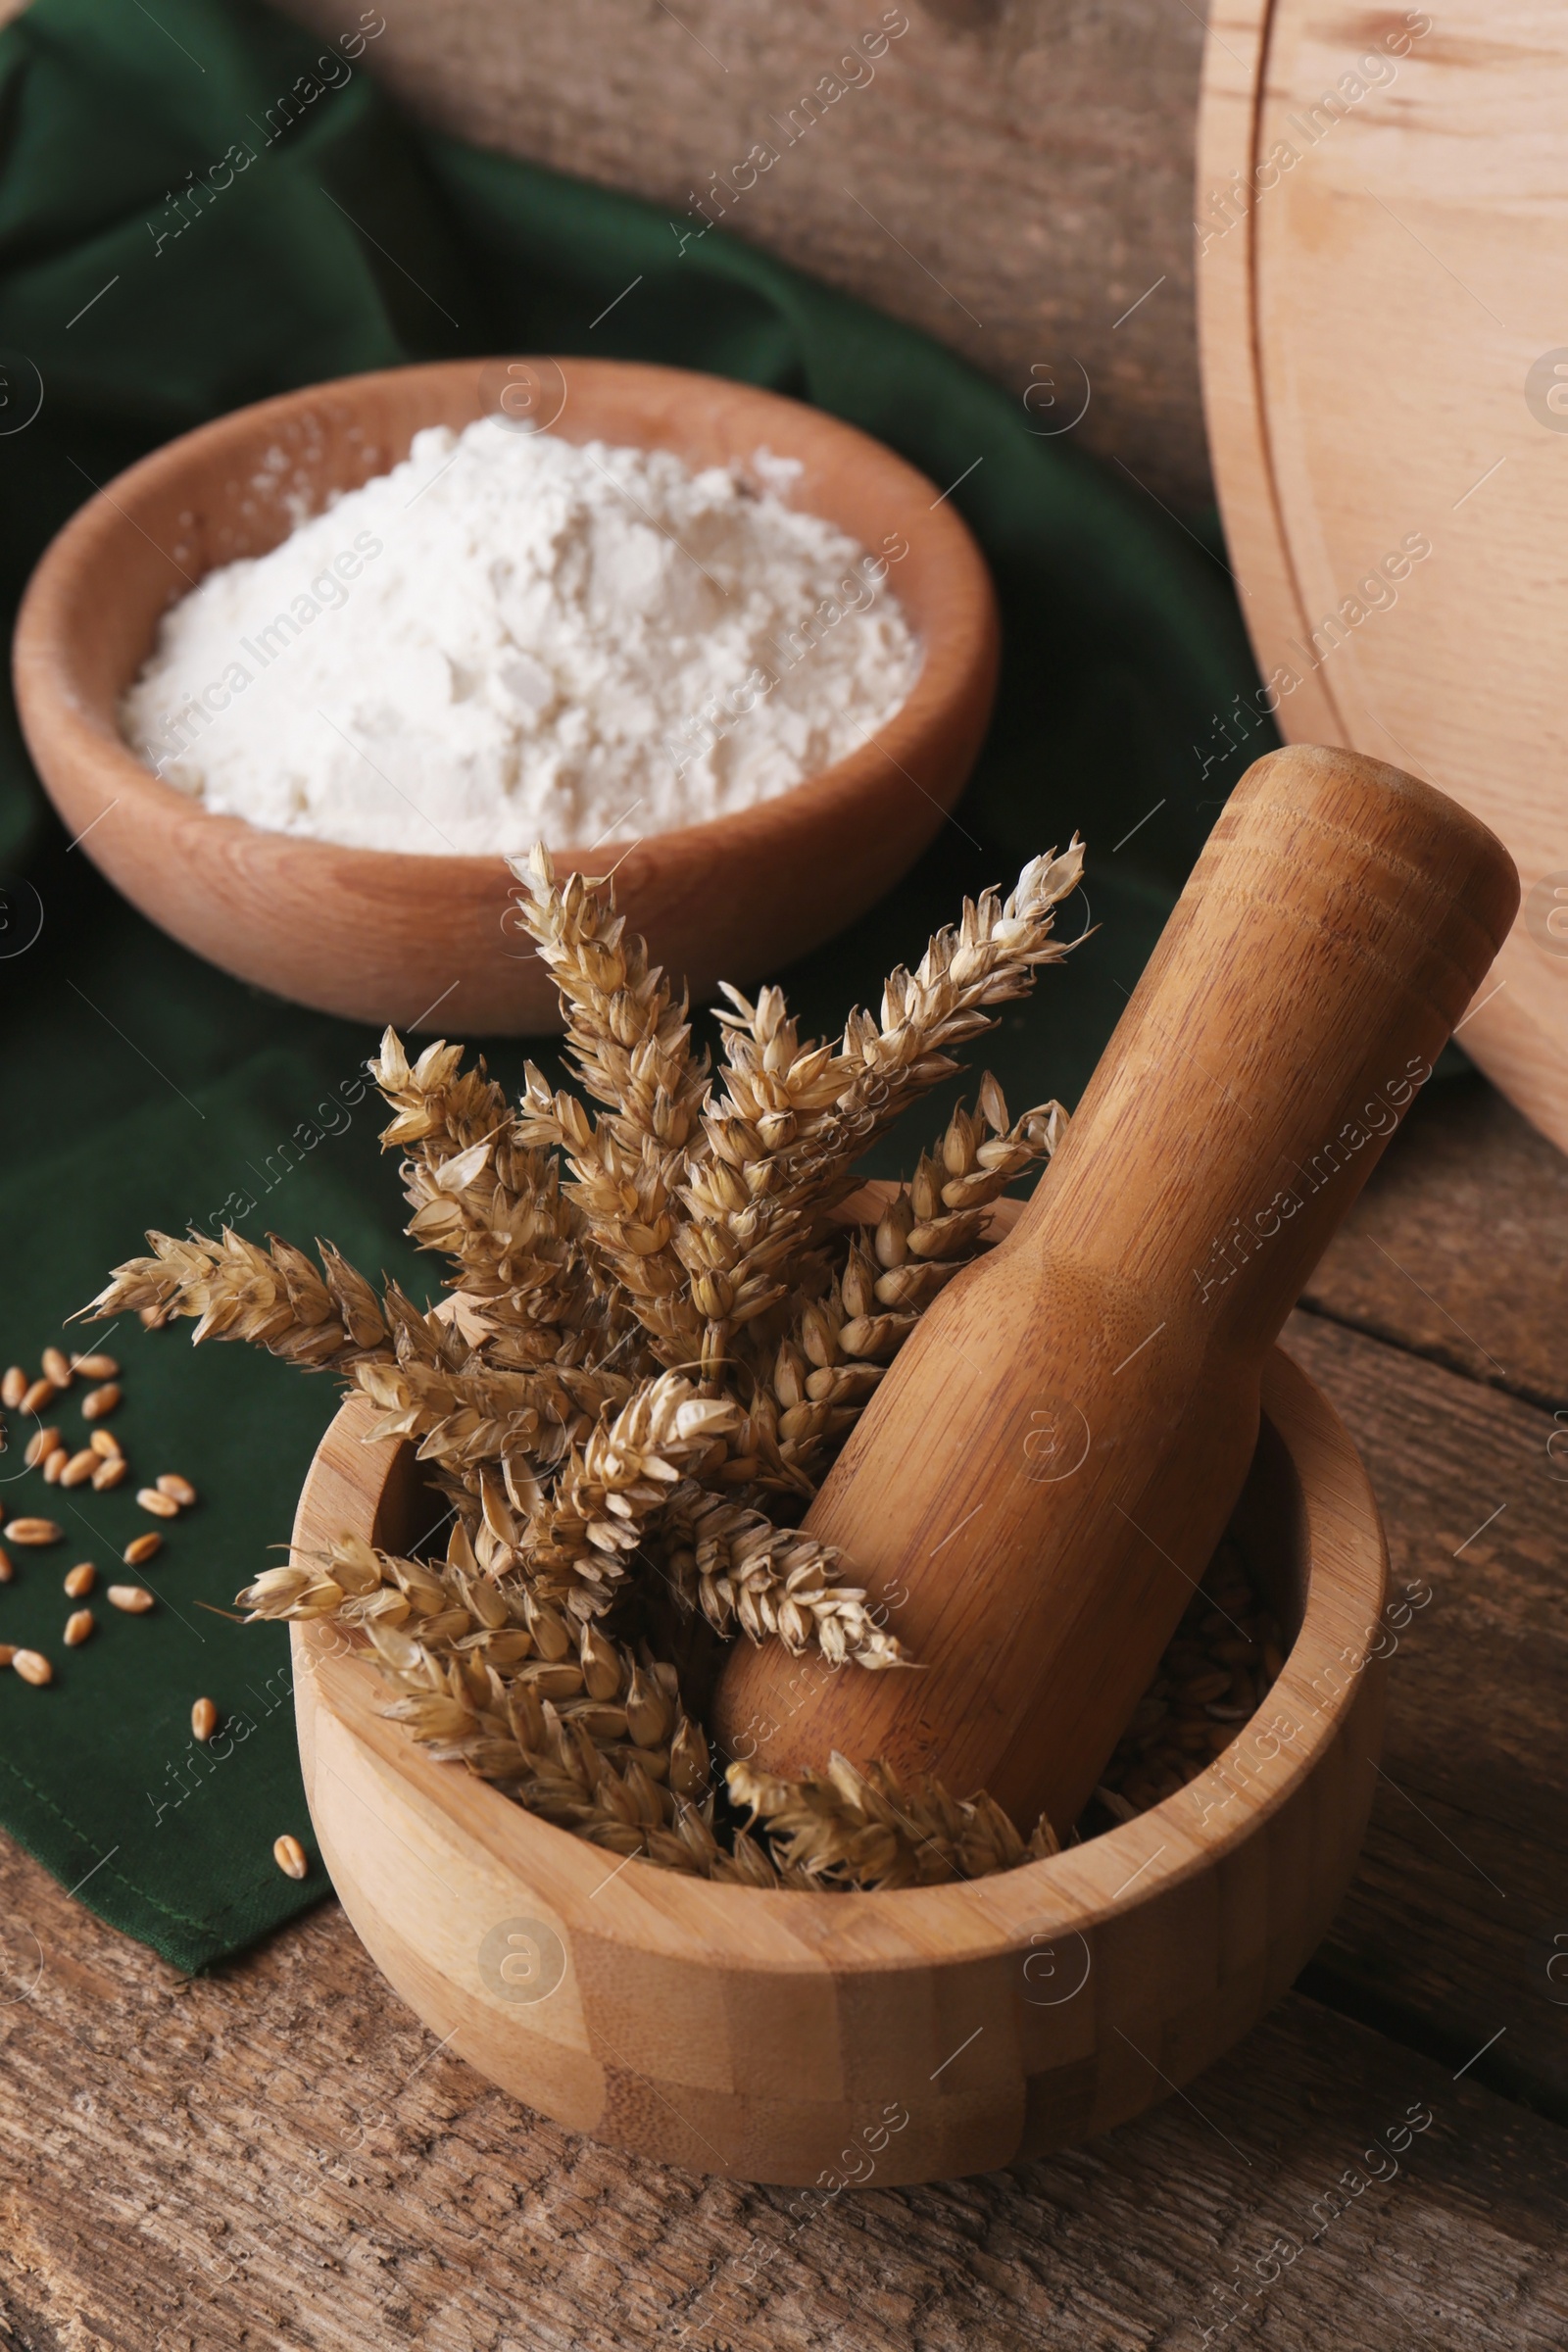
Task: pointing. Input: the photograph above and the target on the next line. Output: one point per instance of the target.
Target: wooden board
(1380, 303)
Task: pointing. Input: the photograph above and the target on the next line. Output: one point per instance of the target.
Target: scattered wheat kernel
(141, 1548)
(104, 1442)
(134, 1599)
(39, 1397)
(33, 1666)
(289, 1855)
(80, 1581)
(109, 1472)
(53, 1464)
(178, 1489)
(33, 1531)
(79, 1468)
(12, 1388)
(161, 1506)
(95, 1367)
(204, 1719)
(79, 1625)
(7, 1571)
(8, 1652)
(56, 1369)
(99, 1401)
(40, 1446)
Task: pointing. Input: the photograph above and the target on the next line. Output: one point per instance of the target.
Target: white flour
(510, 637)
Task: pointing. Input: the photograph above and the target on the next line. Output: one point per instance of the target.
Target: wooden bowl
(773, 2036)
(380, 935)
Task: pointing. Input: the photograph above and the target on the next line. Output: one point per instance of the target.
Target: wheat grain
(12, 1388)
(203, 1719)
(79, 1626)
(33, 1666)
(133, 1600)
(290, 1857)
(99, 1401)
(80, 1581)
(33, 1531)
(180, 1490)
(1216, 1672)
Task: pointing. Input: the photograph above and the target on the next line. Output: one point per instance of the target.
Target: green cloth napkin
(142, 1088)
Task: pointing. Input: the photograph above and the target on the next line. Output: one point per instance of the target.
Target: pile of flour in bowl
(510, 637)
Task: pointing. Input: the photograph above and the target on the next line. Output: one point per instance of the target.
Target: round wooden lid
(1385, 350)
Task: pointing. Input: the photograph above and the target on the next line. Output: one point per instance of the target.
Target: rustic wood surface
(273, 2159)
(280, 2157)
(1013, 176)
(1458, 1249)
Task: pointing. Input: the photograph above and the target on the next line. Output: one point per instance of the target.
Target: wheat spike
(656, 1333)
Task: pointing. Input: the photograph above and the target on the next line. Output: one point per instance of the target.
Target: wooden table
(1051, 260)
(281, 2155)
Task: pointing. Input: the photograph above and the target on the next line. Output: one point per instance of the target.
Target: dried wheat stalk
(634, 1366)
(274, 1298)
(864, 1829)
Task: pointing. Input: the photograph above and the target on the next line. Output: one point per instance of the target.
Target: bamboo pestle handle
(1041, 1477)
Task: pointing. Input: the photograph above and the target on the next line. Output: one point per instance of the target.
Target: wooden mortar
(767, 2036)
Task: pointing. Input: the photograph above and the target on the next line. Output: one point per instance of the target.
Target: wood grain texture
(1047, 1464)
(1017, 177)
(1449, 1931)
(280, 2157)
(1379, 291)
(383, 936)
(762, 2036)
(1459, 1247)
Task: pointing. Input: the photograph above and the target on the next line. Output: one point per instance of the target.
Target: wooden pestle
(1039, 1481)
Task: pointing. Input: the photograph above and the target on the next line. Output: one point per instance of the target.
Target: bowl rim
(659, 1913)
(51, 700)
